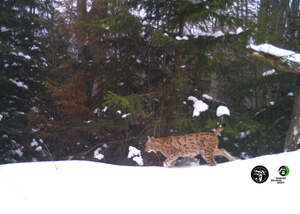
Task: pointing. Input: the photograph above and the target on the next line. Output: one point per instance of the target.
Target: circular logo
(259, 174)
(284, 171)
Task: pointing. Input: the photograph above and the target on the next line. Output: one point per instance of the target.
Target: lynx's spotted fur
(173, 147)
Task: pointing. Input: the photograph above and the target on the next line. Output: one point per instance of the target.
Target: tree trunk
(81, 8)
(214, 83)
(292, 140)
(96, 46)
(173, 89)
(158, 129)
(81, 31)
(294, 25)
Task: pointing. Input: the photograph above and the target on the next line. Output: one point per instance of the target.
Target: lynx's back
(173, 147)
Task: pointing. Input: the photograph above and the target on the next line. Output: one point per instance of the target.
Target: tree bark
(81, 8)
(95, 46)
(81, 32)
(214, 83)
(173, 89)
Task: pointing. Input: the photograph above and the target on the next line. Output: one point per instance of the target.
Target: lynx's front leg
(170, 161)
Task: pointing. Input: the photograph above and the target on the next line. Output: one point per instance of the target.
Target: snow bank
(90, 187)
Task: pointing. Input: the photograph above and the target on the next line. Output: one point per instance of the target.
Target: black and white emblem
(259, 174)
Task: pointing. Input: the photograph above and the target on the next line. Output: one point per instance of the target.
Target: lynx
(173, 147)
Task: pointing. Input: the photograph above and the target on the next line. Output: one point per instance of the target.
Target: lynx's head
(151, 145)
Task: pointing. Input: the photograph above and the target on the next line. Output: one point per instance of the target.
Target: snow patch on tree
(199, 106)
(179, 38)
(104, 109)
(18, 83)
(269, 72)
(245, 134)
(136, 155)
(34, 144)
(126, 115)
(222, 110)
(296, 133)
(24, 55)
(97, 154)
(208, 97)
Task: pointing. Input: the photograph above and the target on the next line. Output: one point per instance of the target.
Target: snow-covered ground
(91, 187)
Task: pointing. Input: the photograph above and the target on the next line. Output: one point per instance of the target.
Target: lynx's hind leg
(224, 153)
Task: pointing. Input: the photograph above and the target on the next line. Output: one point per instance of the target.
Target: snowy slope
(90, 187)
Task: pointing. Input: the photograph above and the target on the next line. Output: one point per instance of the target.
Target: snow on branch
(18, 83)
(199, 106)
(222, 110)
(281, 59)
(136, 155)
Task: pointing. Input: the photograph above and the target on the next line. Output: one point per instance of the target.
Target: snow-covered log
(281, 59)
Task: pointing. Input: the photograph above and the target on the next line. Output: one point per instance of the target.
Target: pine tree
(279, 19)
(22, 28)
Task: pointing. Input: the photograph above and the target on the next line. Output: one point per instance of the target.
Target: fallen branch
(285, 63)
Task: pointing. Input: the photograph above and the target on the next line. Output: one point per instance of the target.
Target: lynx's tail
(218, 131)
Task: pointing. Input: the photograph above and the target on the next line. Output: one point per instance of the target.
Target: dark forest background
(80, 77)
